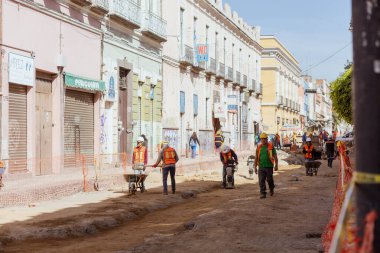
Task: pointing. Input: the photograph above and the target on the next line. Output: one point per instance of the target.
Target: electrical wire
(327, 58)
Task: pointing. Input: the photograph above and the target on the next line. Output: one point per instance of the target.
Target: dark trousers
(225, 175)
(165, 172)
(330, 159)
(266, 174)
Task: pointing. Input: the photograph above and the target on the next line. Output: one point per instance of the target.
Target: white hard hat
(225, 149)
(140, 139)
(308, 139)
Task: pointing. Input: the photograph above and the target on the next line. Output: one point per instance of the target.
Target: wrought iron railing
(155, 24)
(188, 55)
(245, 80)
(101, 3)
(128, 10)
(211, 66)
(221, 70)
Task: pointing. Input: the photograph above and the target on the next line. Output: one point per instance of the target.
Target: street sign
(202, 52)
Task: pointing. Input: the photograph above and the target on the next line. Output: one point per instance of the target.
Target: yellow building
(281, 79)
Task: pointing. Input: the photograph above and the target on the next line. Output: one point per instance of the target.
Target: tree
(341, 96)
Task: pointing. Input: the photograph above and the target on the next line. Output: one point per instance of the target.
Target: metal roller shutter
(79, 127)
(17, 128)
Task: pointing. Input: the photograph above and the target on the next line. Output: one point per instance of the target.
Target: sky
(314, 31)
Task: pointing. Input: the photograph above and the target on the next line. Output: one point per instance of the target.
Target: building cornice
(228, 23)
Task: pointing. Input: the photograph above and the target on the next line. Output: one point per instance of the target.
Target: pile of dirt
(295, 159)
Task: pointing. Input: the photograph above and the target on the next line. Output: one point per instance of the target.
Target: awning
(84, 83)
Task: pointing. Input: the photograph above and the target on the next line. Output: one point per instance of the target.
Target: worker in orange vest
(140, 153)
(227, 155)
(308, 150)
(169, 158)
(266, 160)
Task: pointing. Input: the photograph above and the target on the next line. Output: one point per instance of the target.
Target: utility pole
(366, 80)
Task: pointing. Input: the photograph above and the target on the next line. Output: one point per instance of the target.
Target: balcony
(259, 90)
(100, 6)
(252, 87)
(286, 105)
(280, 100)
(211, 67)
(126, 12)
(237, 79)
(199, 66)
(230, 74)
(154, 27)
(245, 82)
(221, 70)
(82, 2)
(187, 58)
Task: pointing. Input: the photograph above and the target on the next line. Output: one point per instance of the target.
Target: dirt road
(215, 220)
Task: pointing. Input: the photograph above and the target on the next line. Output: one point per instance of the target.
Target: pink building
(50, 88)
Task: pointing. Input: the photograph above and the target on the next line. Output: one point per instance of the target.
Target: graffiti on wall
(206, 139)
(171, 136)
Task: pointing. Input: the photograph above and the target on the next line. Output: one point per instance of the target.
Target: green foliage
(341, 96)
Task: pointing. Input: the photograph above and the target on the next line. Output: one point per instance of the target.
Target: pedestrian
(330, 148)
(266, 160)
(2, 170)
(140, 158)
(250, 164)
(169, 158)
(278, 141)
(227, 155)
(294, 138)
(304, 136)
(193, 144)
(218, 140)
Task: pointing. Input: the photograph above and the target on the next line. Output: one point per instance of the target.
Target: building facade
(281, 83)
(80, 80)
(132, 69)
(51, 85)
(222, 93)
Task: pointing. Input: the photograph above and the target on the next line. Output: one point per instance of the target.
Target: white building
(222, 93)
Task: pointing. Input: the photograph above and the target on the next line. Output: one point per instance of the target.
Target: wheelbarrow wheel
(142, 188)
(132, 189)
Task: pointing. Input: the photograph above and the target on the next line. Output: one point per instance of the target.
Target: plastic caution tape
(366, 178)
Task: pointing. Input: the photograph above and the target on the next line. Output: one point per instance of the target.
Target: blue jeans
(165, 172)
(193, 151)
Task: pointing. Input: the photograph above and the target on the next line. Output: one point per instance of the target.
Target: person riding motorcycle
(227, 157)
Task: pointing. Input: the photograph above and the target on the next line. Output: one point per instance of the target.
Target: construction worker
(169, 158)
(218, 139)
(140, 158)
(308, 150)
(227, 155)
(140, 153)
(330, 148)
(266, 160)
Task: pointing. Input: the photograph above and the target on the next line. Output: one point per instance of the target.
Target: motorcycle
(230, 170)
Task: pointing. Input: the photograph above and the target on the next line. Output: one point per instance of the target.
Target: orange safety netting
(344, 179)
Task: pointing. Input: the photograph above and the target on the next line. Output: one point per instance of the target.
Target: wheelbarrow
(312, 167)
(136, 180)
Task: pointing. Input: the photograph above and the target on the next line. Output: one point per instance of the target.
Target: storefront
(79, 119)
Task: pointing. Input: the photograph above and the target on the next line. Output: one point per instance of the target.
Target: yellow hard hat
(263, 135)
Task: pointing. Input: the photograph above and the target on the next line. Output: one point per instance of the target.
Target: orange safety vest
(169, 156)
(269, 151)
(308, 154)
(139, 154)
(227, 156)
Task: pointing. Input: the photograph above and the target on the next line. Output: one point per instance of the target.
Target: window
(216, 47)
(195, 31)
(195, 104)
(182, 12)
(182, 102)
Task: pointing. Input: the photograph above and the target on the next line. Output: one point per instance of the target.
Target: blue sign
(111, 89)
(202, 52)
